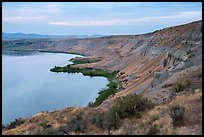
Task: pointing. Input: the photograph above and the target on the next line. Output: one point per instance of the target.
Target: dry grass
(159, 116)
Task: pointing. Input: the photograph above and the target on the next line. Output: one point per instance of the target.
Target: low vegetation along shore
(104, 93)
(61, 52)
(83, 61)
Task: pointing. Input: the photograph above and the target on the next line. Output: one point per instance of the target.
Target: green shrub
(97, 118)
(84, 61)
(105, 93)
(77, 124)
(3, 126)
(48, 131)
(63, 130)
(111, 119)
(71, 124)
(107, 121)
(131, 105)
(177, 114)
(90, 104)
(177, 87)
(187, 83)
(42, 124)
(15, 123)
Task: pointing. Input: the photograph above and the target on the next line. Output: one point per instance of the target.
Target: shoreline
(112, 82)
(112, 87)
(46, 51)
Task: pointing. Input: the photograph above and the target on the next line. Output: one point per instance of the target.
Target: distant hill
(33, 35)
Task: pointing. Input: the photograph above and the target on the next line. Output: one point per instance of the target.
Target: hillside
(148, 64)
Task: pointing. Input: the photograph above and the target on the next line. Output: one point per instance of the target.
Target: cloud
(188, 14)
(122, 17)
(17, 19)
(87, 23)
(30, 12)
(138, 21)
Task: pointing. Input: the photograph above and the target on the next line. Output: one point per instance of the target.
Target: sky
(90, 18)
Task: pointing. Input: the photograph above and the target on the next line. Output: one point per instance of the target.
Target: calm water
(28, 87)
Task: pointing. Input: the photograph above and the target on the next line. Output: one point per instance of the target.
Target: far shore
(47, 51)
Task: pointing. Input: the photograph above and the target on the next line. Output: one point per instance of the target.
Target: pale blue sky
(105, 18)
